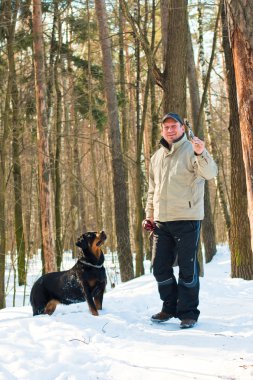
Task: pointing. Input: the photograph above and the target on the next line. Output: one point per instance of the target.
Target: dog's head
(91, 242)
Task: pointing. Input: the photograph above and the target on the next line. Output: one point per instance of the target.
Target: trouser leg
(163, 258)
(188, 282)
(180, 237)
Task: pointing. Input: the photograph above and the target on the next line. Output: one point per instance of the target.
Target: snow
(122, 343)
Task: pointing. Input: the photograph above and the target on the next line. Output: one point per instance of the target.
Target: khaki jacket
(176, 182)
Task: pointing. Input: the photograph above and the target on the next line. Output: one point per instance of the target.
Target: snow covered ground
(123, 344)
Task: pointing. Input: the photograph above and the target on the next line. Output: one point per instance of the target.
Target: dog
(86, 281)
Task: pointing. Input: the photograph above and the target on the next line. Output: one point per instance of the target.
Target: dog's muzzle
(102, 238)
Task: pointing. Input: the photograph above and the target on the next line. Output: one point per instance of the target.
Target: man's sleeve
(205, 166)
(151, 188)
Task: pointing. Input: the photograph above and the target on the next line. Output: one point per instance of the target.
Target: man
(175, 208)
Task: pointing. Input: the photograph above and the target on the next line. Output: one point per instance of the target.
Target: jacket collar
(169, 149)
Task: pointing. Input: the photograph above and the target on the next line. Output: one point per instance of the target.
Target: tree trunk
(239, 236)
(164, 12)
(139, 188)
(2, 223)
(98, 208)
(195, 106)
(193, 86)
(153, 108)
(139, 139)
(4, 127)
(77, 202)
(223, 196)
(240, 15)
(119, 177)
(208, 230)
(16, 133)
(176, 58)
(123, 94)
(57, 160)
(43, 141)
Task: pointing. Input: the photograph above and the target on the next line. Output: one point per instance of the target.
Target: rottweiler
(86, 281)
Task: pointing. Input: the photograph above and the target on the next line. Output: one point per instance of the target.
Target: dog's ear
(82, 242)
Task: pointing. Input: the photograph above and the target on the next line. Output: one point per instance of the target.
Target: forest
(84, 86)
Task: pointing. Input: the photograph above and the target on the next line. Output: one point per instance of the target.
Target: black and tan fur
(86, 281)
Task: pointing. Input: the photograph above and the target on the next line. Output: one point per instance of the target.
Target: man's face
(172, 130)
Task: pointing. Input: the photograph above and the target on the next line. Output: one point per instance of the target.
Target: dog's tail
(39, 299)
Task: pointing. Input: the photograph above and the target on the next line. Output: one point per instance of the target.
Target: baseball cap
(174, 116)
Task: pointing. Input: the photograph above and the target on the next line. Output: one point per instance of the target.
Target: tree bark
(240, 15)
(139, 188)
(176, 58)
(155, 128)
(164, 11)
(123, 93)
(193, 86)
(74, 177)
(43, 142)
(4, 127)
(16, 134)
(98, 208)
(119, 177)
(239, 234)
(58, 147)
(138, 172)
(208, 232)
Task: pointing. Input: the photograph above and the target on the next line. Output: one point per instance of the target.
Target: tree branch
(154, 70)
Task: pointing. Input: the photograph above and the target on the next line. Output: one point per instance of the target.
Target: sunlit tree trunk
(239, 234)
(240, 27)
(43, 143)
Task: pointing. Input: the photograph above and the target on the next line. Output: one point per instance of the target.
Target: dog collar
(89, 264)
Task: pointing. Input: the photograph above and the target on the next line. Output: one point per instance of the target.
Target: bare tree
(240, 26)
(43, 143)
(16, 142)
(239, 234)
(3, 142)
(174, 28)
(119, 176)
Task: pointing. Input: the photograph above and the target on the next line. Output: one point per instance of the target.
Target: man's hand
(198, 145)
(148, 224)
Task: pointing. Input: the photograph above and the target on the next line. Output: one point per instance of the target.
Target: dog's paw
(94, 312)
(51, 306)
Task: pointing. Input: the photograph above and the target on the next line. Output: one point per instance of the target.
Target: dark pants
(171, 239)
